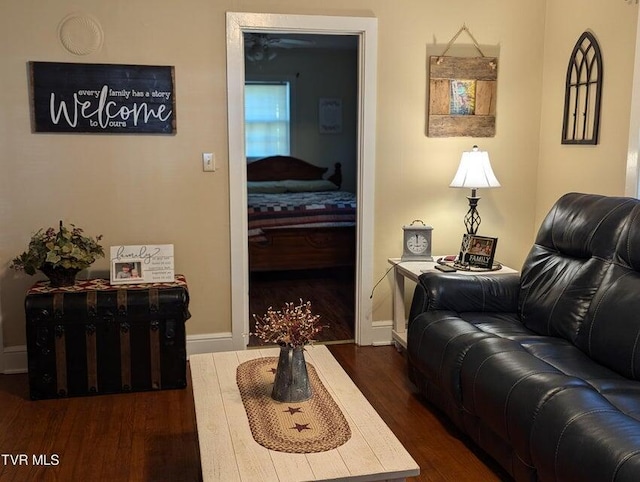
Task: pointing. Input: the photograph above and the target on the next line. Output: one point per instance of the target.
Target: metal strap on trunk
(125, 341)
(90, 338)
(154, 339)
(60, 345)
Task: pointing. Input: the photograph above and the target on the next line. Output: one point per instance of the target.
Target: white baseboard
(209, 343)
(15, 357)
(381, 331)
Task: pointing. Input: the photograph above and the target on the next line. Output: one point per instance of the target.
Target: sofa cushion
(622, 394)
(628, 249)
(611, 331)
(569, 261)
(437, 342)
(579, 435)
(505, 386)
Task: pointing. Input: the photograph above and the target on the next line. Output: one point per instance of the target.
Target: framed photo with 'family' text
(142, 264)
(477, 251)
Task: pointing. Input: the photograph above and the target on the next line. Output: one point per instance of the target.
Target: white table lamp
(474, 172)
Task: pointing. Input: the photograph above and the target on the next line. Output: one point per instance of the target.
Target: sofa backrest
(610, 333)
(581, 279)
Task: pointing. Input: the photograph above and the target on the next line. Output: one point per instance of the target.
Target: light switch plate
(208, 162)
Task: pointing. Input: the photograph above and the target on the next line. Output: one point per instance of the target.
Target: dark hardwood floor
(331, 292)
(440, 449)
(152, 436)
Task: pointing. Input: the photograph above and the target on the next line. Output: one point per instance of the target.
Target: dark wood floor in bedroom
(152, 436)
(331, 292)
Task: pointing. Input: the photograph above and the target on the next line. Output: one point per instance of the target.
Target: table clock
(417, 242)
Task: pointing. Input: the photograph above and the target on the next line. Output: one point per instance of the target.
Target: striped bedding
(299, 209)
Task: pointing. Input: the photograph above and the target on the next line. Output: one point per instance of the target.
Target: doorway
(301, 94)
(365, 29)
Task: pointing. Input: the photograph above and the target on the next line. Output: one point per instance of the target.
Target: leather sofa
(541, 369)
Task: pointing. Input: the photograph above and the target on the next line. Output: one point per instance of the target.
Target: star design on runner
(293, 410)
(301, 426)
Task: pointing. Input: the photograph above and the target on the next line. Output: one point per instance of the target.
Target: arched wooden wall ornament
(583, 93)
(462, 94)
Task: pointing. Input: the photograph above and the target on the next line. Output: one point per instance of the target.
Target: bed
(297, 219)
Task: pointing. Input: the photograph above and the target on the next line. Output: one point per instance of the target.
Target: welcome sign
(102, 98)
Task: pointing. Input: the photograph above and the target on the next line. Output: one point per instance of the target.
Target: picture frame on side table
(477, 251)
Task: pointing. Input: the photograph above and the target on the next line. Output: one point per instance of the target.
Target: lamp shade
(475, 171)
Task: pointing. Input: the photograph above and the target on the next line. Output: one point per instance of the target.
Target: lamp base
(472, 218)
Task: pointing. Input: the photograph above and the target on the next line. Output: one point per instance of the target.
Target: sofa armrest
(463, 293)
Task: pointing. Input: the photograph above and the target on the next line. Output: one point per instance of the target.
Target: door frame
(366, 28)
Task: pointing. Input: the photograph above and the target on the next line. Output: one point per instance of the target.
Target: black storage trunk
(98, 338)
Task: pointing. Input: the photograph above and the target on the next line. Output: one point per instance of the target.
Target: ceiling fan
(261, 46)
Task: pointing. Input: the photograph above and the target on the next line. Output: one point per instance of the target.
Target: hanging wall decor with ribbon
(462, 94)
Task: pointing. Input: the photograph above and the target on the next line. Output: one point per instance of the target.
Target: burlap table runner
(315, 425)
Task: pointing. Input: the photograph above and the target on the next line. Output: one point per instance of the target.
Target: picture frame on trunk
(142, 264)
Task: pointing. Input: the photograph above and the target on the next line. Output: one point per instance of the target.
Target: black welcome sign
(102, 98)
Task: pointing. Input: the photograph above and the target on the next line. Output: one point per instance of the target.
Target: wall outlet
(208, 162)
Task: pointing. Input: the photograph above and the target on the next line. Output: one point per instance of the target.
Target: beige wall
(592, 169)
(413, 171)
(151, 189)
(132, 189)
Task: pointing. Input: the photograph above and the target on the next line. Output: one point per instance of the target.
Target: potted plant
(60, 255)
(293, 327)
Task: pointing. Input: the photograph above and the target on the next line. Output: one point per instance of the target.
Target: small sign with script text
(142, 264)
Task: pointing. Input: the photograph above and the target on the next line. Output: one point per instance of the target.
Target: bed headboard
(279, 168)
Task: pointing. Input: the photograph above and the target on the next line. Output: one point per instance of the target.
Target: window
(267, 119)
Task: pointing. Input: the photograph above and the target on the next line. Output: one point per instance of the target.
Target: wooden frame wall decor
(583, 93)
(462, 94)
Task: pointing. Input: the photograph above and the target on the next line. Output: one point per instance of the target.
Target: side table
(412, 270)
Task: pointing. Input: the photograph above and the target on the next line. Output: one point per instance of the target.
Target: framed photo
(128, 271)
(477, 251)
(142, 264)
(330, 116)
(463, 97)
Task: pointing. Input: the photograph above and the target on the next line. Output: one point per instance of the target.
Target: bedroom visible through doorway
(365, 29)
(301, 145)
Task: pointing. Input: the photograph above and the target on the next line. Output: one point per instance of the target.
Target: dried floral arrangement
(293, 325)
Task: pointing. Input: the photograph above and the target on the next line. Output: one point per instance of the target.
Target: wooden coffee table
(228, 451)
